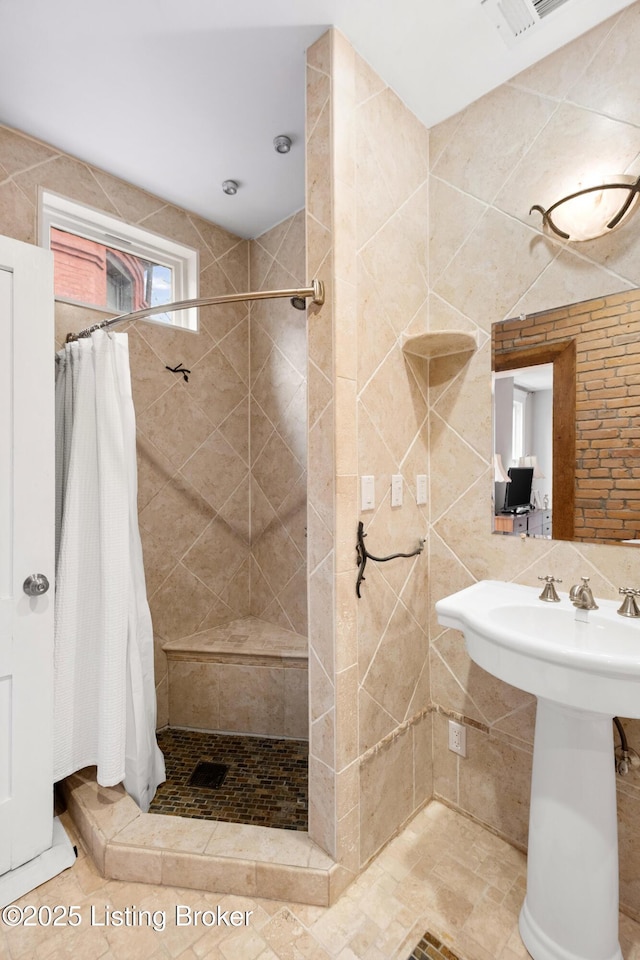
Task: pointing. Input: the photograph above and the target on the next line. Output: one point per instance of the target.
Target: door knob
(35, 585)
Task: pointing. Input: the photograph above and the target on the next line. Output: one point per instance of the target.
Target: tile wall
(195, 482)
(193, 459)
(482, 259)
(278, 430)
(526, 142)
(321, 586)
(246, 676)
(367, 209)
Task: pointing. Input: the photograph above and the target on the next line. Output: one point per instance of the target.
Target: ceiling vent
(516, 19)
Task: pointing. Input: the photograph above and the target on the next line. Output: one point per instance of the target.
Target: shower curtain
(104, 692)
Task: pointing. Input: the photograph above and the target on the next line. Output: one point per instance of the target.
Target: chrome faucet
(549, 593)
(581, 595)
(629, 606)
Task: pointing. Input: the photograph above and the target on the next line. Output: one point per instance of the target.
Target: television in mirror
(518, 491)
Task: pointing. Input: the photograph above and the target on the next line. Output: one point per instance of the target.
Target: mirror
(566, 422)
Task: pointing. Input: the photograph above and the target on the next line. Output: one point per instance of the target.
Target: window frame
(84, 221)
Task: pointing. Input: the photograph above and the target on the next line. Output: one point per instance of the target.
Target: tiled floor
(266, 783)
(443, 874)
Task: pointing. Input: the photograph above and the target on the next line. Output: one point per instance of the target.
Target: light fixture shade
(532, 461)
(500, 475)
(593, 209)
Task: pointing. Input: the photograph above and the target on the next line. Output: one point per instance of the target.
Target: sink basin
(542, 648)
(584, 668)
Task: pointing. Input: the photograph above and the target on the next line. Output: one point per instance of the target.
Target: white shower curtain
(105, 703)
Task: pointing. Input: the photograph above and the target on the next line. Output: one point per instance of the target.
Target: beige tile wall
(524, 143)
(409, 249)
(193, 443)
(194, 439)
(278, 418)
(367, 207)
(245, 676)
(321, 454)
(268, 699)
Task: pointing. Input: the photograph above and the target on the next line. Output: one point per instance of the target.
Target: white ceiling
(178, 95)
(532, 379)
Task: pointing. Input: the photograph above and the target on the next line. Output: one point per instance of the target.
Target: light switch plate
(396, 490)
(367, 493)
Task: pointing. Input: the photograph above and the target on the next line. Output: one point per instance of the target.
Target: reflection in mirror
(522, 438)
(578, 429)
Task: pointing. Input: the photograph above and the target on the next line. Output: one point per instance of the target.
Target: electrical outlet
(421, 488)
(457, 738)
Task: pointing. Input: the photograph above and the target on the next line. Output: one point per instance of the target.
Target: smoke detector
(517, 19)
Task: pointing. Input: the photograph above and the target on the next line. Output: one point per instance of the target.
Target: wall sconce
(500, 475)
(592, 211)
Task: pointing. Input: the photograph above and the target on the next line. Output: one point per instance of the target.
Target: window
(121, 285)
(103, 262)
(518, 435)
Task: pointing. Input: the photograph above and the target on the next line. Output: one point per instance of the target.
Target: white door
(26, 547)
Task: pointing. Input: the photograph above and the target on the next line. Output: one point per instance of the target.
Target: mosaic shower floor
(265, 784)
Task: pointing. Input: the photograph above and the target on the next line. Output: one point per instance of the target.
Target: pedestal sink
(584, 672)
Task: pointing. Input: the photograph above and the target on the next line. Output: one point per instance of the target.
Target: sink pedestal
(571, 908)
(584, 669)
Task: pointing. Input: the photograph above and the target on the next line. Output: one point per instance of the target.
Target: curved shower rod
(315, 292)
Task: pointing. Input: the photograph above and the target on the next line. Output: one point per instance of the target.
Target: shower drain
(207, 774)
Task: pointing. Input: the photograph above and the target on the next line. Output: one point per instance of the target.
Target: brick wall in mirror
(566, 389)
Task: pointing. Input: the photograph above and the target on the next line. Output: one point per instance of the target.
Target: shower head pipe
(315, 293)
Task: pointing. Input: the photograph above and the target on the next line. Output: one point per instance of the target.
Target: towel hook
(364, 555)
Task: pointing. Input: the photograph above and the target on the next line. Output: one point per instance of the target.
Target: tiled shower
(221, 455)
(242, 481)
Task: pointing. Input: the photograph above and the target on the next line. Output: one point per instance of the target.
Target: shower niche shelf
(439, 343)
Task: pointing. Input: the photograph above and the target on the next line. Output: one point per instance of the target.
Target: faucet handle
(629, 607)
(549, 593)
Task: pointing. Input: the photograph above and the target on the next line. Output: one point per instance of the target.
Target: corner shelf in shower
(439, 343)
